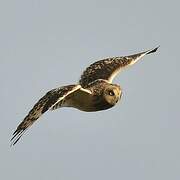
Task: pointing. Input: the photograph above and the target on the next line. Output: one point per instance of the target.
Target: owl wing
(45, 103)
(82, 93)
(108, 68)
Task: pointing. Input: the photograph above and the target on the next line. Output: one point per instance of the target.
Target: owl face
(112, 94)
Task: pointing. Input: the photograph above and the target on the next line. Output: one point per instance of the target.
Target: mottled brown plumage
(46, 102)
(95, 91)
(108, 68)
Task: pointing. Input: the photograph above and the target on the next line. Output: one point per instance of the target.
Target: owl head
(112, 93)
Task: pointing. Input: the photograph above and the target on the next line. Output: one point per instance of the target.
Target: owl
(94, 92)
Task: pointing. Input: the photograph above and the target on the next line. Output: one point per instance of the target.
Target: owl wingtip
(153, 50)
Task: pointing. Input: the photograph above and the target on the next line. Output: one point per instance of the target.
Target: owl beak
(120, 94)
(119, 97)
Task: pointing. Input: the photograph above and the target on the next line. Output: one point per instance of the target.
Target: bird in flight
(94, 92)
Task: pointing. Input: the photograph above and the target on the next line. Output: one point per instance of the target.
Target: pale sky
(46, 44)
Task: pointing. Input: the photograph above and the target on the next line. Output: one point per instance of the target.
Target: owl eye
(111, 93)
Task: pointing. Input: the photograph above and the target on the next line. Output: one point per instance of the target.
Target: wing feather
(45, 103)
(65, 102)
(108, 68)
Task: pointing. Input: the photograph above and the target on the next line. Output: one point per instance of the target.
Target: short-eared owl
(94, 92)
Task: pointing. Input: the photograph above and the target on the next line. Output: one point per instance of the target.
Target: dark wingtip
(16, 136)
(153, 50)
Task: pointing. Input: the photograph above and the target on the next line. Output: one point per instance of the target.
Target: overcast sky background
(46, 44)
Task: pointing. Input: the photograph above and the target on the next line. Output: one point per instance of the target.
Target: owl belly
(100, 104)
(89, 103)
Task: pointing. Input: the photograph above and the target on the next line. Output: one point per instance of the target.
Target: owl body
(94, 91)
(103, 96)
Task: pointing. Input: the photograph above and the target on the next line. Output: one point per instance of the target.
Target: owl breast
(87, 103)
(99, 104)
